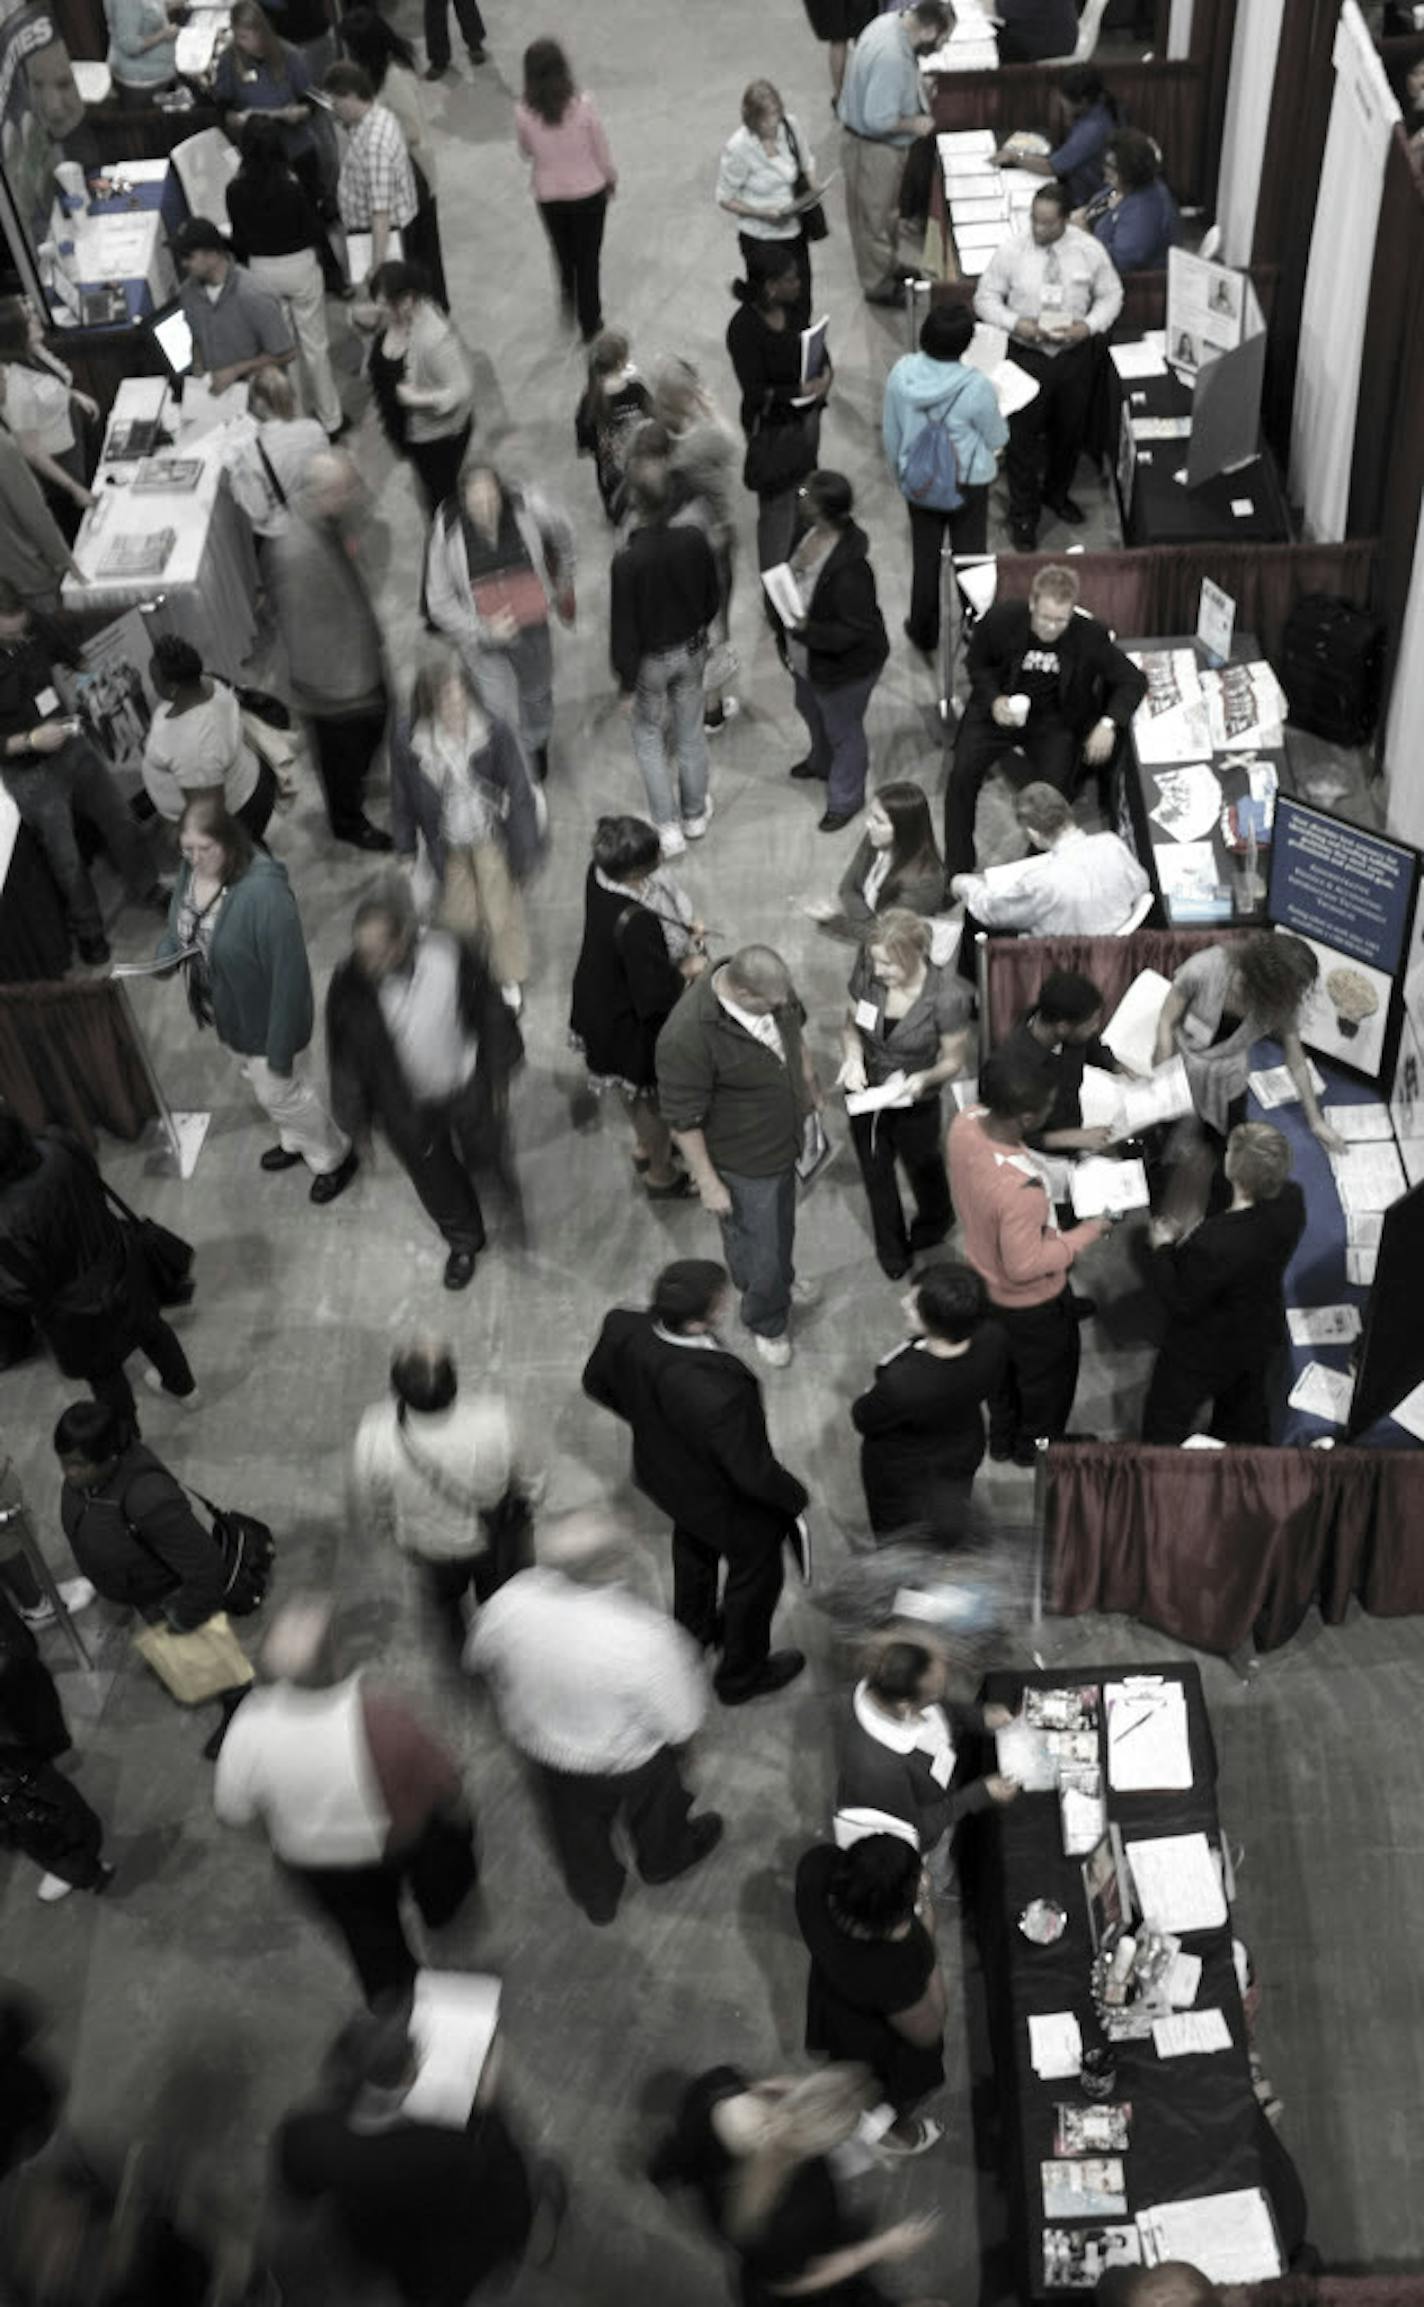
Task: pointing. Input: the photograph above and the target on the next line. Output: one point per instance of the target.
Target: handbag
(197, 1666)
(778, 456)
(166, 1256)
(813, 219)
(246, 1545)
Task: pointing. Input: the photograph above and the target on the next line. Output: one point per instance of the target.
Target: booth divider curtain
(1333, 312)
(1165, 100)
(1015, 967)
(1156, 590)
(69, 1055)
(1404, 728)
(1387, 477)
(1248, 111)
(1285, 206)
(1219, 1548)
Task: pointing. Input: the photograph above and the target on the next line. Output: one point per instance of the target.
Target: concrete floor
(192, 2006)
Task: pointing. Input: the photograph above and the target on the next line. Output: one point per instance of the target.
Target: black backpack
(1331, 663)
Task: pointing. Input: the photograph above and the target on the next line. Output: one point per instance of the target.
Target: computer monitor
(174, 338)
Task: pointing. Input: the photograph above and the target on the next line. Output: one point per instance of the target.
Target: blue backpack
(929, 469)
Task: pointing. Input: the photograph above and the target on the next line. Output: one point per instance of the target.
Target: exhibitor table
(1244, 506)
(1196, 2128)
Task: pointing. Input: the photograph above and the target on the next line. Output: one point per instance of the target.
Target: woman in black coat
(765, 347)
(626, 983)
(42, 1814)
(922, 1421)
(130, 1526)
(837, 648)
(68, 1263)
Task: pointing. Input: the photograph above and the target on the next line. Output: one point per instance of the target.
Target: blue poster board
(1350, 894)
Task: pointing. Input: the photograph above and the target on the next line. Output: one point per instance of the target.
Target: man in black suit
(1046, 684)
(1225, 1299)
(701, 1452)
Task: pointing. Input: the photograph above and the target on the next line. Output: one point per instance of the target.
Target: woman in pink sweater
(559, 131)
(1012, 1238)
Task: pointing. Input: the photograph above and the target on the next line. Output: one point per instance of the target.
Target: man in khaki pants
(881, 110)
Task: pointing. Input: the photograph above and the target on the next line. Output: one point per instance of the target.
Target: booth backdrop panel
(1156, 589)
(1387, 476)
(68, 1054)
(1290, 177)
(1219, 1548)
(1168, 101)
(1017, 966)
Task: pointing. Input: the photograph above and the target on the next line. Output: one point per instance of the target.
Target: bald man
(1173, 2284)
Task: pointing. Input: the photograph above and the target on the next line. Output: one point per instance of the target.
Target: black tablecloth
(1196, 2125)
(34, 935)
(1163, 511)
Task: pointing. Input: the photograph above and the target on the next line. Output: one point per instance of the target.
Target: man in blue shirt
(881, 109)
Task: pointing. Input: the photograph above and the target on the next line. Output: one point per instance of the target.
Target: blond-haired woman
(757, 182)
(757, 2155)
(908, 1018)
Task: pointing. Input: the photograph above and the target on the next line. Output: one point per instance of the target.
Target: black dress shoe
(459, 1269)
(1068, 509)
(782, 1666)
(326, 1189)
(835, 820)
(703, 1834)
(366, 836)
(807, 769)
(278, 1158)
(1023, 535)
(435, 71)
(478, 55)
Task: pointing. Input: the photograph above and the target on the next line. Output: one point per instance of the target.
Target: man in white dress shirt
(1076, 884)
(1054, 290)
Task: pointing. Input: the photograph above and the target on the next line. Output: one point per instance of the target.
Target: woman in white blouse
(196, 743)
(40, 404)
(756, 182)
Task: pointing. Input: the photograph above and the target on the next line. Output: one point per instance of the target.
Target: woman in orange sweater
(1013, 1239)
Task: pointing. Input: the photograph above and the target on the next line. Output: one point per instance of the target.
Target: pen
(1116, 1740)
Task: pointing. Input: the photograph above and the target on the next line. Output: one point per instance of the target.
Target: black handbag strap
(268, 467)
(435, 1477)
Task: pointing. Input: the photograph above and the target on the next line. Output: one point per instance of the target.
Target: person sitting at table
(280, 239)
(1072, 883)
(1046, 681)
(1013, 1239)
(1053, 290)
(1223, 1288)
(1036, 31)
(143, 45)
(921, 1422)
(1223, 1000)
(896, 864)
(53, 775)
(1083, 116)
(1060, 1035)
(1134, 216)
(907, 1017)
(935, 387)
(237, 327)
(267, 473)
(40, 407)
(261, 72)
(196, 744)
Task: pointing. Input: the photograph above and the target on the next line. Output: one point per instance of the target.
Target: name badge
(867, 1016)
(1051, 296)
(46, 702)
(941, 1769)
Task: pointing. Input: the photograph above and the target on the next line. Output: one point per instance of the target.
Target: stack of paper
(1172, 722)
(1055, 2044)
(1246, 707)
(452, 2025)
(1178, 1882)
(1229, 2238)
(1101, 1186)
(1323, 1325)
(1131, 1034)
(1115, 1101)
(1188, 2033)
(1191, 882)
(1358, 1122)
(1135, 361)
(1323, 1393)
(1148, 1745)
(1274, 1087)
(1369, 1176)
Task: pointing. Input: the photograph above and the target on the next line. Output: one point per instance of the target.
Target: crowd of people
(703, 1040)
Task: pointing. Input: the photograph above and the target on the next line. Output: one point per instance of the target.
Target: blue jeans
(835, 719)
(758, 1237)
(670, 686)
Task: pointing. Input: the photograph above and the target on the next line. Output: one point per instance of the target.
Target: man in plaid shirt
(376, 190)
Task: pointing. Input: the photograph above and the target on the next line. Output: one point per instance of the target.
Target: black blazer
(367, 1085)
(1223, 1286)
(700, 1445)
(922, 1426)
(1095, 678)
(844, 631)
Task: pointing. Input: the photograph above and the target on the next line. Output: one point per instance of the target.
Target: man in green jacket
(735, 1087)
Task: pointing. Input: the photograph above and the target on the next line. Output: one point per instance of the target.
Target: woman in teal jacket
(234, 929)
(934, 385)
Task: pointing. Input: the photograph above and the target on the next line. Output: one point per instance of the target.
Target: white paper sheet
(1101, 1184)
(1178, 1884)
(1131, 1034)
(1363, 1228)
(1368, 1176)
(1126, 1107)
(1134, 361)
(1323, 1325)
(1189, 801)
(1055, 2043)
(891, 1094)
(1022, 1753)
(783, 592)
(1148, 1745)
(1360, 1267)
(1360, 1122)
(1191, 881)
(1183, 1979)
(1230, 2238)
(1189, 2032)
(452, 2024)
(1323, 1393)
(1273, 1086)
(1410, 1413)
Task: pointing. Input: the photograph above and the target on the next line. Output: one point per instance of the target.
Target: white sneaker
(53, 1887)
(806, 1294)
(512, 996)
(777, 1351)
(670, 840)
(75, 1593)
(155, 1385)
(695, 827)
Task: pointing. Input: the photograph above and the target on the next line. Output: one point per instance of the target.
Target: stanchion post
(165, 1117)
(1040, 1527)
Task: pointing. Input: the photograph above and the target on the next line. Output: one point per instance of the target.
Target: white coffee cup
(1019, 706)
(69, 176)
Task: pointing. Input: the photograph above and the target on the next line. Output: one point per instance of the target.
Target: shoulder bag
(167, 1257)
(246, 1545)
(813, 219)
(778, 455)
(507, 1527)
(197, 1666)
